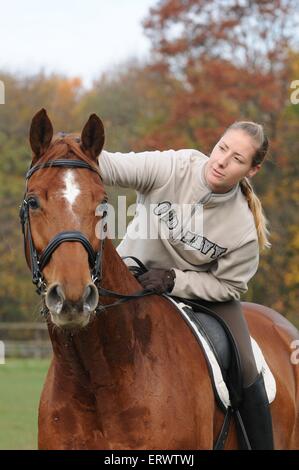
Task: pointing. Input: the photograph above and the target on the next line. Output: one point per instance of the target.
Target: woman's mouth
(216, 173)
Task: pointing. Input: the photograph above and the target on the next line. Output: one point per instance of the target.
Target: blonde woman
(210, 250)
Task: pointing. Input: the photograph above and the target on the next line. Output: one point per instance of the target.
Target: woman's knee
(231, 313)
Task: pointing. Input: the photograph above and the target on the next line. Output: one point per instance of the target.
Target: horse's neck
(116, 275)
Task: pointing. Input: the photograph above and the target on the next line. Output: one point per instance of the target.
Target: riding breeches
(231, 313)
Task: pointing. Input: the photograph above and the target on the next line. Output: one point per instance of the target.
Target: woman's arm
(142, 171)
(226, 280)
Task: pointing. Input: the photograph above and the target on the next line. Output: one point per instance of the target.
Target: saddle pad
(219, 384)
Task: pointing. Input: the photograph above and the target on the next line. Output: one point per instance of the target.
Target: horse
(128, 374)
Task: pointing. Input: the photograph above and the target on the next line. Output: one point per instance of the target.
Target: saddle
(215, 337)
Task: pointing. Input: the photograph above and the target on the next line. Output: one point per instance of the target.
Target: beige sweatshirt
(209, 239)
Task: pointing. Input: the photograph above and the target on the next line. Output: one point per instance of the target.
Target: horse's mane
(68, 147)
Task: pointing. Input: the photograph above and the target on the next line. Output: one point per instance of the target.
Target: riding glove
(158, 280)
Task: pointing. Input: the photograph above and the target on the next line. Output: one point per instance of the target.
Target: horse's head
(64, 189)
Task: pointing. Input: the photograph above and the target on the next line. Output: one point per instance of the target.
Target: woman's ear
(253, 171)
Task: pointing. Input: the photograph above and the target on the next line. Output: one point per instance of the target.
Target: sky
(79, 38)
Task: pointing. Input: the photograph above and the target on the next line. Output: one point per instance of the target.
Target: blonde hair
(255, 131)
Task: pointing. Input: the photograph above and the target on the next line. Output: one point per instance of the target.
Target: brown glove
(159, 280)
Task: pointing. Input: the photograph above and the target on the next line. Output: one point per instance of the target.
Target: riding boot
(256, 415)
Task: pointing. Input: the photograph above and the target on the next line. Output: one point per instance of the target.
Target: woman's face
(230, 161)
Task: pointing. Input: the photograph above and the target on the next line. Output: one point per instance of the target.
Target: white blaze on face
(72, 189)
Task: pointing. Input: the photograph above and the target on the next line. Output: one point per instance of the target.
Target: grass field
(21, 382)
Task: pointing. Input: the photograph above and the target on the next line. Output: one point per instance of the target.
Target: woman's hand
(158, 280)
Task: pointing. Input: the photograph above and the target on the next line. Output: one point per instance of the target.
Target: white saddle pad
(219, 383)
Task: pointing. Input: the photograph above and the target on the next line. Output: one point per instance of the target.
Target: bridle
(38, 261)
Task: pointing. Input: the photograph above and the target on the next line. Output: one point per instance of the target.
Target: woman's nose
(223, 160)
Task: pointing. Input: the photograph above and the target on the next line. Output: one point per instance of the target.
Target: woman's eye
(33, 203)
(221, 148)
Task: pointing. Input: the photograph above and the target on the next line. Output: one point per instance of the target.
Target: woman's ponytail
(256, 131)
(259, 217)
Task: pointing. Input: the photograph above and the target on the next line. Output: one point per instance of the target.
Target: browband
(62, 162)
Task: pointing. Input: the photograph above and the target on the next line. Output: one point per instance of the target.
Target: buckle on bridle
(39, 282)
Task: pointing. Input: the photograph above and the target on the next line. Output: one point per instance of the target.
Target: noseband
(39, 261)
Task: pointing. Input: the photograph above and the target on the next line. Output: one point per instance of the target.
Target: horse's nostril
(58, 303)
(55, 298)
(90, 297)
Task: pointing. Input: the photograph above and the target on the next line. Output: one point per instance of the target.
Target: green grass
(21, 382)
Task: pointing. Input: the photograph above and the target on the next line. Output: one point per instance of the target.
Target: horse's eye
(33, 202)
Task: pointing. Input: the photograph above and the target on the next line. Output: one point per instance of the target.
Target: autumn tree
(231, 56)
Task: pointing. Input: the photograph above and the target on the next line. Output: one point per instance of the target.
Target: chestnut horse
(131, 376)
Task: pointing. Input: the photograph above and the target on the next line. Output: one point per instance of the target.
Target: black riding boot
(256, 415)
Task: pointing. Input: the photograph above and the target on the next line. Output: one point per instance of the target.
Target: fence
(25, 339)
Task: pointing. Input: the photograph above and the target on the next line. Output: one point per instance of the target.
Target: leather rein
(38, 261)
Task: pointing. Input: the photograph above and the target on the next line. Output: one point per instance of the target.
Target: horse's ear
(41, 133)
(93, 137)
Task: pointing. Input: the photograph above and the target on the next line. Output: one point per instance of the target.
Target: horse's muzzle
(67, 313)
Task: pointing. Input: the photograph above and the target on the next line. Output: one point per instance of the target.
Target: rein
(38, 261)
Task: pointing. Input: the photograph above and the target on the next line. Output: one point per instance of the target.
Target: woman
(197, 228)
